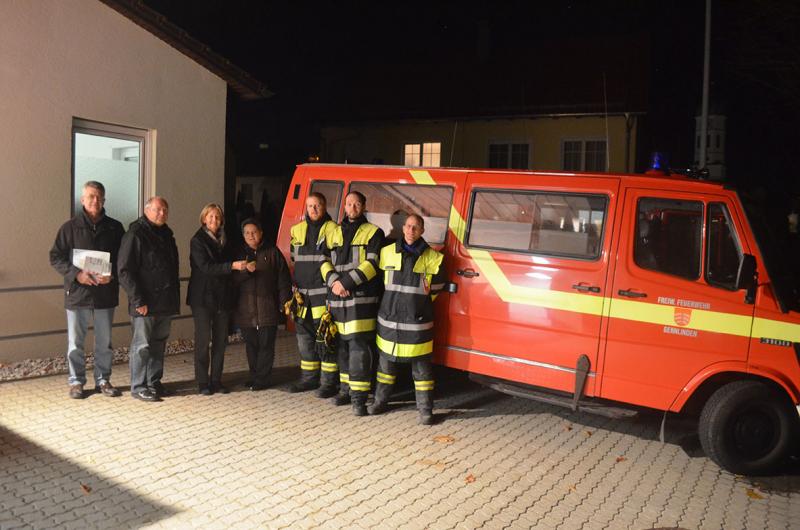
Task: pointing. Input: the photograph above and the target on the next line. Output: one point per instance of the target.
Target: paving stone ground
(276, 460)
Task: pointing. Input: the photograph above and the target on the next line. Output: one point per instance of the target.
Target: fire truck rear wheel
(747, 428)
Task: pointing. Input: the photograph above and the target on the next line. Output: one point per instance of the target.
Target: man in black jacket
(91, 292)
(148, 270)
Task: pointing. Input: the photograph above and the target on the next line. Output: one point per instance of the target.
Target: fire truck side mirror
(746, 277)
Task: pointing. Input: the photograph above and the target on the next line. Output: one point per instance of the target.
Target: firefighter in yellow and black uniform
(307, 251)
(413, 275)
(352, 276)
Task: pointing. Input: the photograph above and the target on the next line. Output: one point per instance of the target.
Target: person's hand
(239, 265)
(338, 289)
(103, 280)
(251, 266)
(86, 278)
(142, 310)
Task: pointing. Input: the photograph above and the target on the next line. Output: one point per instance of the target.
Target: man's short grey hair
(155, 198)
(418, 218)
(96, 185)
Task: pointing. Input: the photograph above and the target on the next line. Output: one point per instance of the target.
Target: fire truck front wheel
(747, 428)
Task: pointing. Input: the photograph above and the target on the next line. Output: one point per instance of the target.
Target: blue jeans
(147, 351)
(77, 325)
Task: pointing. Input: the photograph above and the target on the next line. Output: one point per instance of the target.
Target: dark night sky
(360, 60)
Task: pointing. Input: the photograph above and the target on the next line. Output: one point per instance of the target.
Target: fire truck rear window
(569, 225)
(669, 236)
(389, 204)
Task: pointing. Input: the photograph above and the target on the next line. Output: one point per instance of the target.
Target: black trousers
(421, 371)
(213, 324)
(355, 365)
(260, 347)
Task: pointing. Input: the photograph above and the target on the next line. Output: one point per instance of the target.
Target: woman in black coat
(211, 297)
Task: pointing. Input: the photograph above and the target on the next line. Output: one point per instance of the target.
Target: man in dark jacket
(91, 292)
(307, 247)
(351, 272)
(148, 270)
(264, 286)
(414, 275)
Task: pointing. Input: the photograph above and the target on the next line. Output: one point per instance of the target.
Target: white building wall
(65, 59)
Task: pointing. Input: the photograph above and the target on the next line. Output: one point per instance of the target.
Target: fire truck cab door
(531, 271)
(674, 309)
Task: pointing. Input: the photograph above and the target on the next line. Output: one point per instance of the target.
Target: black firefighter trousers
(355, 365)
(421, 371)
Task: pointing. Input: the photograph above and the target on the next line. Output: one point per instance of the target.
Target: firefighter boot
(304, 386)
(329, 385)
(381, 403)
(342, 398)
(325, 391)
(360, 404)
(425, 406)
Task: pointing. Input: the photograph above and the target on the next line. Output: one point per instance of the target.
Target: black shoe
(379, 407)
(249, 384)
(76, 391)
(359, 409)
(107, 390)
(161, 391)
(220, 389)
(255, 387)
(303, 386)
(426, 417)
(324, 392)
(145, 395)
(341, 399)
(205, 391)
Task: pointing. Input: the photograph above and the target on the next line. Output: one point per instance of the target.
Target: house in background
(109, 91)
(577, 107)
(543, 142)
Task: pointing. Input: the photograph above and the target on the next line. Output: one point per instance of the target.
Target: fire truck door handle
(631, 294)
(586, 288)
(467, 273)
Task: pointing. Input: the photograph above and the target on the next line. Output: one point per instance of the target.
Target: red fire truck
(601, 292)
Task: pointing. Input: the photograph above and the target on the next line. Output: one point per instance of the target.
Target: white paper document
(93, 261)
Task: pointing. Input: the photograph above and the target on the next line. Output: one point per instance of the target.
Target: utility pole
(704, 112)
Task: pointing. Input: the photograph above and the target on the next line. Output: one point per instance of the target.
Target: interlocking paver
(271, 459)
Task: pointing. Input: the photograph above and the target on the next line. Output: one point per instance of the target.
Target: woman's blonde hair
(207, 208)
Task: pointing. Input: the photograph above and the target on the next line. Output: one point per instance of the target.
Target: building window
(428, 154)
(583, 155)
(553, 224)
(112, 155)
(509, 155)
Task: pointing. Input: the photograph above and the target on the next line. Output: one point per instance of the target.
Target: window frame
(421, 145)
(601, 236)
(703, 237)
(510, 155)
(145, 139)
(583, 140)
(414, 185)
(707, 243)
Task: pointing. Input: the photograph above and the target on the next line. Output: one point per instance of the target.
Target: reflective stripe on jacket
(405, 318)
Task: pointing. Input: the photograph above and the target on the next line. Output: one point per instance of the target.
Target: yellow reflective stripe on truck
(775, 329)
(664, 315)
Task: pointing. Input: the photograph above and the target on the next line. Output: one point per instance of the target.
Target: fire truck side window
(669, 236)
(389, 204)
(724, 252)
(333, 195)
(554, 224)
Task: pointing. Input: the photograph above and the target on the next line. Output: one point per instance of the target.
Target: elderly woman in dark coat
(264, 286)
(211, 297)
